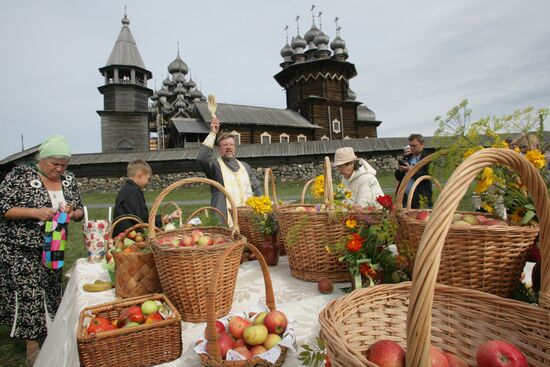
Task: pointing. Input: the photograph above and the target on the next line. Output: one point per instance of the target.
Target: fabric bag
(55, 239)
(96, 236)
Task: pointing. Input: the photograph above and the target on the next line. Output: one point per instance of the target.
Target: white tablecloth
(297, 299)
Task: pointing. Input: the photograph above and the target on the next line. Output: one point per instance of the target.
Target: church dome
(312, 33)
(298, 42)
(178, 65)
(178, 77)
(191, 84)
(180, 89)
(154, 97)
(337, 43)
(180, 102)
(321, 39)
(351, 95)
(287, 51)
(163, 92)
(365, 114)
(195, 93)
(167, 82)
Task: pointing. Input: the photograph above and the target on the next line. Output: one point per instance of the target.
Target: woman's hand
(43, 214)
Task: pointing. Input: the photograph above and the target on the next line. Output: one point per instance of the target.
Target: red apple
(97, 324)
(257, 349)
(276, 322)
(131, 235)
(154, 317)
(237, 325)
(243, 351)
(205, 240)
(195, 234)
(218, 240)
(438, 358)
(496, 353)
(136, 315)
(220, 327)
(271, 341)
(423, 215)
(187, 240)
(225, 342)
(239, 343)
(139, 237)
(386, 353)
(455, 361)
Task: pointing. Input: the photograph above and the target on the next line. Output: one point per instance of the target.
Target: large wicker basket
(138, 346)
(307, 233)
(485, 258)
(454, 319)
(135, 272)
(184, 272)
(214, 358)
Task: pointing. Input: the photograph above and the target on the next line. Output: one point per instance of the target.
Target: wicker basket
(175, 206)
(184, 272)
(311, 232)
(113, 242)
(135, 272)
(144, 345)
(214, 358)
(485, 258)
(454, 319)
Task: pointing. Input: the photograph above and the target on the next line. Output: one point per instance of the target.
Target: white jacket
(364, 186)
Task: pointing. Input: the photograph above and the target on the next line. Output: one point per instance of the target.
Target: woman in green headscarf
(30, 196)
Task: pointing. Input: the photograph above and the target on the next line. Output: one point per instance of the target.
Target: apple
(260, 318)
(239, 343)
(154, 317)
(205, 240)
(131, 235)
(423, 215)
(271, 341)
(123, 318)
(255, 334)
(300, 209)
(438, 358)
(497, 353)
(461, 223)
(109, 327)
(139, 237)
(97, 324)
(470, 218)
(132, 324)
(149, 307)
(174, 241)
(257, 349)
(220, 327)
(482, 219)
(457, 217)
(187, 240)
(386, 353)
(325, 286)
(195, 234)
(243, 351)
(276, 322)
(237, 325)
(455, 361)
(218, 240)
(136, 315)
(225, 342)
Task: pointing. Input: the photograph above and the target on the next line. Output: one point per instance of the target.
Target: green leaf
(528, 217)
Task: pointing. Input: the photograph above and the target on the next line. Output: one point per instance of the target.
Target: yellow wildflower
(487, 208)
(517, 216)
(318, 189)
(351, 223)
(487, 179)
(261, 205)
(536, 158)
(471, 151)
(516, 149)
(500, 144)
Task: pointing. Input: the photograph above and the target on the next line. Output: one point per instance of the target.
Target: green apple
(132, 324)
(260, 318)
(149, 307)
(255, 335)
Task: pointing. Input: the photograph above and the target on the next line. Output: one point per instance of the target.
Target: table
(297, 299)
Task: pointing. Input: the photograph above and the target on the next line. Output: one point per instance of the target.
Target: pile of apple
(147, 313)
(493, 353)
(194, 238)
(251, 337)
(465, 220)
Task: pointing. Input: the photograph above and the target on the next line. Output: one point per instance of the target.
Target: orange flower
(367, 270)
(355, 243)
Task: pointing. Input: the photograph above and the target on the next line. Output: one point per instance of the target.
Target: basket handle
(269, 176)
(135, 227)
(211, 334)
(121, 218)
(175, 205)
(305, 190)
(206, 208)
(419, 316)
(329, 190)
(415, 185)
(188, 181)
(408, 176)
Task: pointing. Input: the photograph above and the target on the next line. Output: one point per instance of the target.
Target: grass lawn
(13, 351)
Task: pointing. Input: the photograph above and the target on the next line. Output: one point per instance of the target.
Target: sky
(415, 59)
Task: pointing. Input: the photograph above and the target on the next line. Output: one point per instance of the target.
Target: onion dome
(203, 98)
(178, 66)
(298, 43)
(351, 96)
(321, 40)
(337, 43)
(180, 89)
(195, 93)
(312, 33)
(180, 102)
(163, 92)
(365, 114)
(178, 77)
(287, 51)
(191, 84)
(125, 21)
(154, 97)
(167, 82)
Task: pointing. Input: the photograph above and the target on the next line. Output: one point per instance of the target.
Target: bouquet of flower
(341, 194)
(369, 251)
(263, 214)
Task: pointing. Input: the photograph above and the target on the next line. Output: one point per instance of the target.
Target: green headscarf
(55, 146)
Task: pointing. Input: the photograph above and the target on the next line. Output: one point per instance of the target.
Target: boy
(130, 198)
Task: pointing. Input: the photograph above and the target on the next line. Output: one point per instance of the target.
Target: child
(130, 198)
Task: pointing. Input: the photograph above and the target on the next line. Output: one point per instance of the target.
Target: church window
(324, 138)
(237, 136)
(302, 137)
(336, 126)
(347, 137)
(284, 138)
(265, 138)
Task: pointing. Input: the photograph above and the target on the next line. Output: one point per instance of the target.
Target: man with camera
(424, 189)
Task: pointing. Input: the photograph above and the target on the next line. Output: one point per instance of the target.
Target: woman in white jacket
(359, 177)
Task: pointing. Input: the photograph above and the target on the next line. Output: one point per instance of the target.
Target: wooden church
(315, 74)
